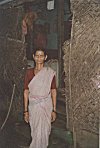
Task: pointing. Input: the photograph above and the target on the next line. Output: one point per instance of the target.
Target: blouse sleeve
(53, 84)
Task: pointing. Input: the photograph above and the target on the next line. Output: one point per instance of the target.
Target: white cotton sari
(40, 107)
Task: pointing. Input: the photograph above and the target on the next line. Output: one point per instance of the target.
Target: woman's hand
(53, 116)
(26, 117)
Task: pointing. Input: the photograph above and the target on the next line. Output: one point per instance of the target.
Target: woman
(40, 100)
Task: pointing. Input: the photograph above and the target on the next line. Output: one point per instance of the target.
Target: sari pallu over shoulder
(40, 85)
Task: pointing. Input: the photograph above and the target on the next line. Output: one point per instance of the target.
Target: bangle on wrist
(54, 111)
(25, 112)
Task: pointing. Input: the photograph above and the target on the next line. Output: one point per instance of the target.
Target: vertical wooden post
(60, 15)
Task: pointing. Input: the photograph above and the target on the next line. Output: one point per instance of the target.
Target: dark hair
(39, 49)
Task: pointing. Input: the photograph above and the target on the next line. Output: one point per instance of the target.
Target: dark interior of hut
(49, 28)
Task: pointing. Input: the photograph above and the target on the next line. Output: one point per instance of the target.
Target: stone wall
(82, 70)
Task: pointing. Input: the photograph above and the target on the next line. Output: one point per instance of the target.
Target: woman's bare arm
(26, 114)
(26, 93)
(54, 96)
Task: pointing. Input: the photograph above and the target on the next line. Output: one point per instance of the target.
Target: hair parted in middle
(39, 49)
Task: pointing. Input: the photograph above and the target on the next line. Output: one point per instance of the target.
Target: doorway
(47, 26)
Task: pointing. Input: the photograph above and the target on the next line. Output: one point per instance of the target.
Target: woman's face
(39, 57)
